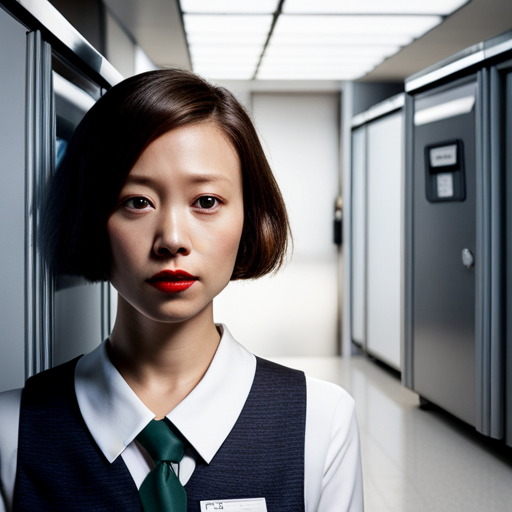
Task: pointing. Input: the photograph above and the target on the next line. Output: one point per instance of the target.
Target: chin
(173, 312)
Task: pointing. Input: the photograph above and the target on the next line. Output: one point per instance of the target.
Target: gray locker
(444, 225)
(456, 232)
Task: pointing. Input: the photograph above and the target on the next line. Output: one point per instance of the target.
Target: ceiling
(158, 28)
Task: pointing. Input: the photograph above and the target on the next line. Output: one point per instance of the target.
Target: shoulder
(330, 409)
(328, 400)
(333, 466)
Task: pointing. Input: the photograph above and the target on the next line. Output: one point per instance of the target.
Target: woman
(165, 191)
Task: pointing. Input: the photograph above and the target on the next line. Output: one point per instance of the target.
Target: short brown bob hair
(108, 142)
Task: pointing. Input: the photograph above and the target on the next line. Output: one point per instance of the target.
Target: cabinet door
(13, 52)
(443, 287)
(384, 238)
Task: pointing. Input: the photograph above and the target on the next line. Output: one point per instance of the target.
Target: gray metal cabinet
(12, 210)
(443, 226)
(50, 77)
(457, 231)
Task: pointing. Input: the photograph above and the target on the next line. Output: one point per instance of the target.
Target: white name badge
(248, 505)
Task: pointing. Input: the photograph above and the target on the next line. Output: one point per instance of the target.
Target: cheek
(220, 243)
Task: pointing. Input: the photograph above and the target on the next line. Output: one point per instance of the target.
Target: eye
(207, 202)
(137, 203)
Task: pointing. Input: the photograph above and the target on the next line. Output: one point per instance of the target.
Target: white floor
(414, 460)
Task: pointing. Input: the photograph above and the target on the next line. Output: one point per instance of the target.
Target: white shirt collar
(115, 415)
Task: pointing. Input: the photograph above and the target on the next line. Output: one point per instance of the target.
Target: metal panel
(43, 15)
(443, 289)
(12, 207)
(39, 155)
(489, 272)
(358, 245)
(384, 237)
(507, 140)
(408, 257)
(497, 347)
(81, 313)
(462, 60)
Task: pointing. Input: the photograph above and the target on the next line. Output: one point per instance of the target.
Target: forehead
(198, 152)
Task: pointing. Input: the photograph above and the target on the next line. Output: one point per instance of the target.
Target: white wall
(296, 311)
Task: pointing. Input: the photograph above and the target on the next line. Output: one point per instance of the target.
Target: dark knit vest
(60, 467)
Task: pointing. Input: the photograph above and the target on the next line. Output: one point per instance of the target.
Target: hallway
(414, 460)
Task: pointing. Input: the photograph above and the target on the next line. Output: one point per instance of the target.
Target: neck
(161, 361)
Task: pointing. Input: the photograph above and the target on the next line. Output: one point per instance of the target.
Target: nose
(172, 235)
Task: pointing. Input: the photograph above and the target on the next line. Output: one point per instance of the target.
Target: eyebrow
(193, 178)
(208, 177)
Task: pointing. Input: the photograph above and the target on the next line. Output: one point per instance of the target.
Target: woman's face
(175, 232)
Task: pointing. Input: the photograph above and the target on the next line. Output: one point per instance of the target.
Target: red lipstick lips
(172, 281)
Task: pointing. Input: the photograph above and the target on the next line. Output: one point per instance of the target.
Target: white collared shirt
(115, 415)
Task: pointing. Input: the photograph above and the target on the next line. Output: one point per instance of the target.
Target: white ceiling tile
(219, 23)
(413, 26)
(229, 6)
(443, 7)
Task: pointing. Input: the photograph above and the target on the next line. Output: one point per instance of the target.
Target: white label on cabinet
(445, 184)
(444, 156)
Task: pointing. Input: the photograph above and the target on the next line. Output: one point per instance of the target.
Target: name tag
(248, 505)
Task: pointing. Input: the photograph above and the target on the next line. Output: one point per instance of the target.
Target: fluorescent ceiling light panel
(359, 62)
(413, 26)
(219, 23)
(230, 39)
(333, 52)
(313, 70)
(229, 6)
(306, 75)
(209, 69)
(320, 66)
(443, 7)
(348, 67)
(226, 73)
(282, 39)
(242, 52)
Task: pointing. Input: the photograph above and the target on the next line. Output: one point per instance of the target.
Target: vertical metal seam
(37, 163)
(478, 268)
(33, 163)
(482, 326)
(487, 263)
(508, 268)
(365, 270)
(496, 268)
(29, 155)
(408, 286)
(39, 156)
(44, 174)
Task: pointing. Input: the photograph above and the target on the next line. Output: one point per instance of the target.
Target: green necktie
(161, 490)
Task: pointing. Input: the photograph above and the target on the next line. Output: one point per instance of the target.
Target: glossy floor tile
(415, 460)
